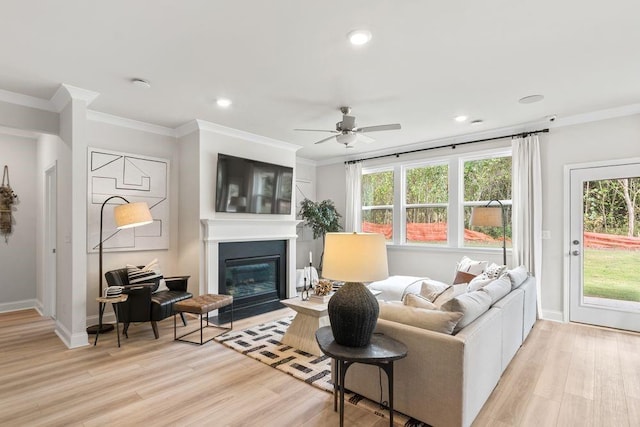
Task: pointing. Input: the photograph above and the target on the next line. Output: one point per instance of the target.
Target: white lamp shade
(355, 257)
(486, 217)
(131, 215)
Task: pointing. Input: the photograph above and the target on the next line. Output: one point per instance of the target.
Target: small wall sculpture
(7, 199)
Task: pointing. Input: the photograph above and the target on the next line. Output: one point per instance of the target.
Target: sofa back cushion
(498, 288)
(433, 320)
(415, 300)
(472, 305)
(517, 276)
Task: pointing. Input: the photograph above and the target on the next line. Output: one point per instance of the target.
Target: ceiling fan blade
(325, 140)
(317, 130)
(378, 128)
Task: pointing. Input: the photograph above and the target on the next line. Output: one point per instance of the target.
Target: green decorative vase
(353, 313)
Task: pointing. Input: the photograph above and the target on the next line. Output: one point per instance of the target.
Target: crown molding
(98, 116)
(595, 116)
(66, 93)
(248, 136)
(26, 101)
(186, 129)
(306, 162)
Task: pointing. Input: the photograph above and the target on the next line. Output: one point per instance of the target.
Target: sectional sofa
(446, 378)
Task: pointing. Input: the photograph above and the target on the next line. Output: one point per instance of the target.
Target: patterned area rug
(263, 343)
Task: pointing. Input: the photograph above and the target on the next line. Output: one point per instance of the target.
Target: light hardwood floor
(563, 375)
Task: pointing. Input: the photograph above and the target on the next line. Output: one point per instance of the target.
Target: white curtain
(353, 215)
(527, 207)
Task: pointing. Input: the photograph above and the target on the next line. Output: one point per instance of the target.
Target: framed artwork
(136, 178)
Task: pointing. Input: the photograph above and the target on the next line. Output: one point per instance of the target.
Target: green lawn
(612, 273)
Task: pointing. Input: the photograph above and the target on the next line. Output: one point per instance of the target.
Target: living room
(53, 113)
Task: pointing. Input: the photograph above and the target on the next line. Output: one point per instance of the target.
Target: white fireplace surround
(246, 230)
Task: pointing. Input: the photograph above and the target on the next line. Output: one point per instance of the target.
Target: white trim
(66, 93)
(248, 136)
(553, 315)
(97, 116)
(26, 304)
(27, 101)
(595, 116)
(81, 339)
(306, 162)
(186, 129)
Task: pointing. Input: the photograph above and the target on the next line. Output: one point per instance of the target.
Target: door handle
(575, 252)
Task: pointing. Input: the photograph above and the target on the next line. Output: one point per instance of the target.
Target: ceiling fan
(347, 132)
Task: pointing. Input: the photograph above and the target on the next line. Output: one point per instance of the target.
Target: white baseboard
(553, 315)
(17, 305)
(79, 339)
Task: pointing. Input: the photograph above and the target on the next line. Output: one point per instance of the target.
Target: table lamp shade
(130, 215)
(486, 216)
(354, 258)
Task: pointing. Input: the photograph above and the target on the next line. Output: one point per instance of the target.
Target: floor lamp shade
(125, 215)
(491, 216)
(354, 258)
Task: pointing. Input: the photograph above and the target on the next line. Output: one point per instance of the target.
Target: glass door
(605, 247)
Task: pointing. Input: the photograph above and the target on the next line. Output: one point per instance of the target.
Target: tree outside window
(377, 203)
(485, 180)
(426, 203)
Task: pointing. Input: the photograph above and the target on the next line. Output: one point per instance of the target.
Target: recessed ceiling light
(359, 37)
(531, 99)
(223, 102)
(461, 119)
(141, 83)
(476, 122)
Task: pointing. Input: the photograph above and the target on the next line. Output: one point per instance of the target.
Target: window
(377, 203)
(430, 203)
(485, 180)
(426, 204)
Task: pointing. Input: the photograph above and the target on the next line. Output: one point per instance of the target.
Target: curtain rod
(452, 145)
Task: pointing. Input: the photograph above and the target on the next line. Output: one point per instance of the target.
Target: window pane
(377, 189)
(428, 184)
(427, 225)
(487, 179)
(378, 221)
(486, 236)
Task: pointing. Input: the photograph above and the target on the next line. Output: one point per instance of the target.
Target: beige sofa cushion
(431, 289)
(433, 320)
(414, 300)
(472, 305)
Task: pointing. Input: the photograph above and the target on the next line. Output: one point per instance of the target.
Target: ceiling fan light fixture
(359, 37)
(346, 138)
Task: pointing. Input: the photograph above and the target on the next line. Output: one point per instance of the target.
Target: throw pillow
(414, 300)
(149, 274)
(431, 289)
(517, 276)
(472, 305)
(451, 292)
(493, 271)
(498, 288)
(478, 282)
(463, 277)
(470, 266)
(433, 320)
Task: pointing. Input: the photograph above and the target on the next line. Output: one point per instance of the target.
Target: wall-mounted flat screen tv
(244, 185)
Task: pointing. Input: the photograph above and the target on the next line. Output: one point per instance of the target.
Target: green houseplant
(322, 217)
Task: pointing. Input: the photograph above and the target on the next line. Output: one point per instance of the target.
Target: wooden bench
(202, 305)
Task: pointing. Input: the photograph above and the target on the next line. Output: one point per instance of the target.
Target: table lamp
(127, 215)
(354, 258)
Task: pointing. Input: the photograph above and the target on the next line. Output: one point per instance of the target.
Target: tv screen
(244, 185)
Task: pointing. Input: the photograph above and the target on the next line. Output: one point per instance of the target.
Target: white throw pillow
(478, 282)
(451, 292)
(470, 266)
(498, 288)
(150, 273)
(433, 320)
(517, 276)
(414, 300)
(472, 305)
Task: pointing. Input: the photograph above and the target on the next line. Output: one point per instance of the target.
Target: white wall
(596, 141)
(305, 187)
(124, 139)
(18, 254)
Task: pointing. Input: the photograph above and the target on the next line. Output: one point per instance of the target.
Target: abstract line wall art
(137, 178)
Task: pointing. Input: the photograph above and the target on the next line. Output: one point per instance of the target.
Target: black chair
(145, 305)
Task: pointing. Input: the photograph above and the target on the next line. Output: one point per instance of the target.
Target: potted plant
(322, 217)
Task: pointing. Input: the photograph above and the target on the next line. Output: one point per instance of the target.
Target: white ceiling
(287, 63)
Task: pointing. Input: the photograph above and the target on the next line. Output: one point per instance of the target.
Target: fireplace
(255, 273)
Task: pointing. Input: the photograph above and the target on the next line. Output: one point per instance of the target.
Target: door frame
(50, 282)
(566, 246)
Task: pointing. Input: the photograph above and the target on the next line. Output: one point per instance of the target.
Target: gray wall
(18, 255)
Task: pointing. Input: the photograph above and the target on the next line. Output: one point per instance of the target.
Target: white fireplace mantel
(246, 230)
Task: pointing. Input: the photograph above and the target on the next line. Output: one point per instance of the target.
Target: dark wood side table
(103, 302)
(382, 351)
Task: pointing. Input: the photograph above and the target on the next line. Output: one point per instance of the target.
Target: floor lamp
(127, 215)
(491, 216)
